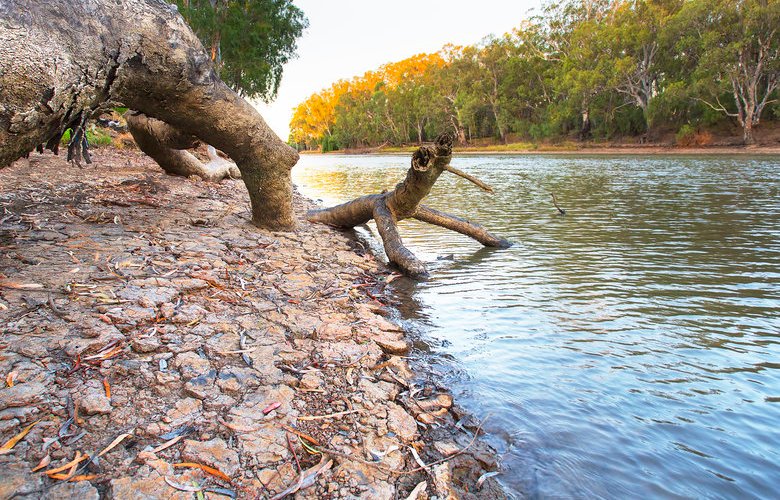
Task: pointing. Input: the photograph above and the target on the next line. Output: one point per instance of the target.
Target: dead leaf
(107, 387)
(415, 494)
(43, 463)
(205, 468)
(9, 379)
(114, 443)
(268, 409)
(77, 460)
(183, 487)
(9, 445)
(20, 286)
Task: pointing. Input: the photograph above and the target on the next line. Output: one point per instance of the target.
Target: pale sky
(346, 38)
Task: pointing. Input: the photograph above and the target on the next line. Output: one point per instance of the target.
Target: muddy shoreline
(143, 311)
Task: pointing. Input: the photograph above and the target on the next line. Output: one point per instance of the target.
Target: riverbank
(155, 343)
(576, 149)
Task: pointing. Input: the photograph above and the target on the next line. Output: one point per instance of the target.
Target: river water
(629, 348)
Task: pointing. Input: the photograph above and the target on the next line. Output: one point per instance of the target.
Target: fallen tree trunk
(428, 162)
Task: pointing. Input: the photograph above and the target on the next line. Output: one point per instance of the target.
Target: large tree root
(167, 146)
(428, 162)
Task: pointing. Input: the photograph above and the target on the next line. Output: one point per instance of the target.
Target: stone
(82, 490)
(214, 453)
(334, 332)
(446, 448)
(200, 387)
(378, 391)
(186, 410)
(145, 344)
(440, 401)
(94, 401)
(191, 365)
(150, 488)
(392, 346)
(311, 380)
(25, 394)
(442, 481)
(401, 423)
(16, 481)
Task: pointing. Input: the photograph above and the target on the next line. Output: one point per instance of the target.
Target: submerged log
(404, 202)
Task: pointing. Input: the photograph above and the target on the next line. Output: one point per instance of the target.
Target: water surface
(629, 348)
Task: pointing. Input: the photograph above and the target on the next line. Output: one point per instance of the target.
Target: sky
(346, 38)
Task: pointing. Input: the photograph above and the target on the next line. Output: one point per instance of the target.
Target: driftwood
(65, 61)
(404, 202)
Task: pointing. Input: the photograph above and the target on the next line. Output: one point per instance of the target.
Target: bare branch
(468, 177)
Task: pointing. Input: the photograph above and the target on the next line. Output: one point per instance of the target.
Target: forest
(585, 70)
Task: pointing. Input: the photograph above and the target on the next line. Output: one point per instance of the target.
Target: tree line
(585, 69)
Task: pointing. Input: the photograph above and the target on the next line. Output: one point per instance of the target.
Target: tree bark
(64, 61)
(166, 145)
(403, 202)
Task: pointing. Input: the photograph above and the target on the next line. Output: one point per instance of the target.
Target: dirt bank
(144, 317)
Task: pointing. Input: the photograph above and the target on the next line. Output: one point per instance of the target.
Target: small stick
(292, 449)
(555, 202)
(332, 415)
(468, 177)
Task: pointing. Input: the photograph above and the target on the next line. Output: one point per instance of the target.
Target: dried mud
(145, 307)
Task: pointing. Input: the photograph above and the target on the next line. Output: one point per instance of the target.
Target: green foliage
(600, 69)
(95, 137)
(249, 40)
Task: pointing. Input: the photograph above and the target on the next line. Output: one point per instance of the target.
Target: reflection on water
(629, 348)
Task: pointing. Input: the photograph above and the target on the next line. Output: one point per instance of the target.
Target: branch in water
(468, 177)
(555, 202)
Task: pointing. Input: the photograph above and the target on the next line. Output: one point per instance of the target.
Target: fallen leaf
(205, 468)
(20, 286)
(9, 445)
(107, 387)
(182, 487)
(167, 444)
(268, 409)
(484, 477)
(301, 434)
(77, 460)
(84, 477)
(43, 463)
(9, 379)
(114, 443)
(415, 494)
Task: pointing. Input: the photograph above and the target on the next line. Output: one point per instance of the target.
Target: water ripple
(629, 348)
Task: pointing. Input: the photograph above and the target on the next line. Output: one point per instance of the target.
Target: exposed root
(166, 145)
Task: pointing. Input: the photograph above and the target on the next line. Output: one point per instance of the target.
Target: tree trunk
(63, 62)
(166, 146)
(747, 131)
(428, 163)
(585, 126)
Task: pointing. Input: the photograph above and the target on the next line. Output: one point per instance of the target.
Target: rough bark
(166, 145)
(404, 202)
(64, 61)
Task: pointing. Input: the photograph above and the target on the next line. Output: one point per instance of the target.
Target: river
(629, 348)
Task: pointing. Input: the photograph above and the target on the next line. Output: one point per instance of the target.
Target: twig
(331, 415)
(292, 449)
(468, 177)
(555, 202)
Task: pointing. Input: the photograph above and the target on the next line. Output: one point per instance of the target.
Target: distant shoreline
(633, 150)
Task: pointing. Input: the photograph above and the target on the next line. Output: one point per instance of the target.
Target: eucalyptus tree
(249, 41)
(734, 49)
